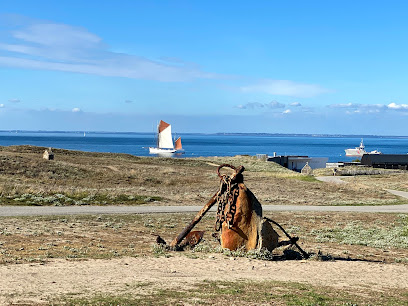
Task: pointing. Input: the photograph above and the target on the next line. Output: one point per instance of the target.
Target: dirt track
(37, 282)
(14, 211)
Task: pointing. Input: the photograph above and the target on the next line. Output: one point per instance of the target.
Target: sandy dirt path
(403, 194)
(37, 282)
(15, 211)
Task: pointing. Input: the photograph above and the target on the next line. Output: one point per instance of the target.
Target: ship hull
(160, 151)
(355, 152)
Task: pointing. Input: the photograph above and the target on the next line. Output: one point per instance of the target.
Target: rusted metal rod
(292, 240)
(237, 175)
(196, 219)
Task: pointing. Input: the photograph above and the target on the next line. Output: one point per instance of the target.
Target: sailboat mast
(157, 135)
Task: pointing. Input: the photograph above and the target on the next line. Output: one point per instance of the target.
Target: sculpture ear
(238, 177)
(268, 237)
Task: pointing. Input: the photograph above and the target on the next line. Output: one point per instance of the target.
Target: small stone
(211, 256)
(232, 258)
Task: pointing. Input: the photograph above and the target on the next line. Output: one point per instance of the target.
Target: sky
(315, 67)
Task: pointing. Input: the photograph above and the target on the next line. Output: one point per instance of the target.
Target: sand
(35, 283)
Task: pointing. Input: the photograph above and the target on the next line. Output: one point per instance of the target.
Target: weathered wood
(196, 219)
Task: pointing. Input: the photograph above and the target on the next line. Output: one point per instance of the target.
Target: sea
(195, 145)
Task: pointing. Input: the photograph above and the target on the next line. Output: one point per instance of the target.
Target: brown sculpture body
(243, 226)
(249, 230)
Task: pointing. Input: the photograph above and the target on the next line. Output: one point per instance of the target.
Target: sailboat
(165, 141)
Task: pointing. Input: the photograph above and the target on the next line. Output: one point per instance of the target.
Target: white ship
(359, 151)
(165, 141)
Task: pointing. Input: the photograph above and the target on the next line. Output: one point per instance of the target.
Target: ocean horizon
(211, 144)
(216, 133)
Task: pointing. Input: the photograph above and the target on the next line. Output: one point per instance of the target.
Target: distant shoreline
(219, 133)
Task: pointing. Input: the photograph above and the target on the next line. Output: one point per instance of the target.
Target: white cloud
(346, 105)
(1, 105)
(275, 104)
(286, 111)
(15, 100)
(257, 105)
(128, 101)
(251, 105)
(49, 34)
(370, 108)
(51, 46)
(397, 106)
(76, 110)
(295, 104)
(286, 88)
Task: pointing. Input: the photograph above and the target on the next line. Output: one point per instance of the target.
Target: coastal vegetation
(243, 293)
(89, 178)
(59, 199)
(357, 170)
(368, 236)
(343, 237)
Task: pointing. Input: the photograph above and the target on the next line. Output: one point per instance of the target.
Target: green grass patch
(305, 178)
(205, 247)
(100, 299)
(394, 235)
(60, 199)
(244, 293)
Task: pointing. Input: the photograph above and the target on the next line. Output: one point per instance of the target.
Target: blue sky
(333, 67)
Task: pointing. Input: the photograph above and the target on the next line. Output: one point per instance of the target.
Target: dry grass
(243, 293)
(396, 181)
(344, 235)
(77, 178)
(356, 170)
(105, 178)
(39, 239)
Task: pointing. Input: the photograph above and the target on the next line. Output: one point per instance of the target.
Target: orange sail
(178, 144)
(162, 125)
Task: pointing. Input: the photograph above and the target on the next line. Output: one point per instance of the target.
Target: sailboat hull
(159, 150)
